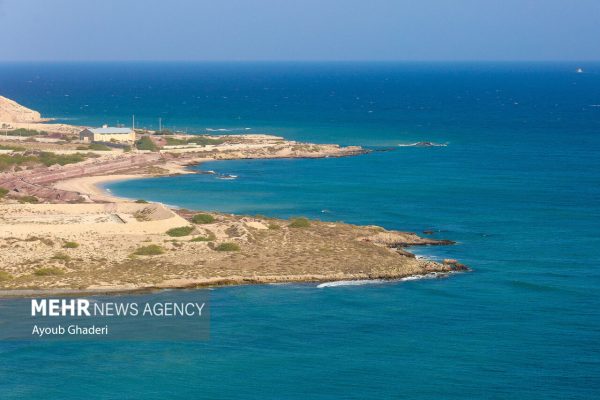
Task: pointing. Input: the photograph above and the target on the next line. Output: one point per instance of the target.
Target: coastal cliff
(11, 111)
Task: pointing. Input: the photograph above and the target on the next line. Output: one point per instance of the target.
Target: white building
(107, 134)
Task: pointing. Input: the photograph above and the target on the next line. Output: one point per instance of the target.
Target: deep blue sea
(518, 187)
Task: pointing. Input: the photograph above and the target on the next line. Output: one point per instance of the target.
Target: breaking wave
(361, 282)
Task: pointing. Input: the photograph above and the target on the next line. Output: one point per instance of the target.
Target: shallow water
(518, 187)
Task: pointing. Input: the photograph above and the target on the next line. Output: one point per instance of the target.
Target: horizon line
(304, 61)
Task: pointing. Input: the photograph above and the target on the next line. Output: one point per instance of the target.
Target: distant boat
(579, 70)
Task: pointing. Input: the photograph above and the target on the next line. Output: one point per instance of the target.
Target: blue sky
(307, 30)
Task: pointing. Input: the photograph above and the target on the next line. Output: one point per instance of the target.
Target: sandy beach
(92, 186)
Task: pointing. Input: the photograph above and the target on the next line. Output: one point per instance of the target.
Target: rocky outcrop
(397, 239)
(455, 265)
(11, 111)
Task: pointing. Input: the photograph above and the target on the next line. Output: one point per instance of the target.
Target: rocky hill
(11, 111)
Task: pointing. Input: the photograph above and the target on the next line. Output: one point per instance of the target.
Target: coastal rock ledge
(137, 246)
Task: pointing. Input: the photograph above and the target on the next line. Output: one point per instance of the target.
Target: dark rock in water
(443, 242)
(428, 232)
(460, 267)
(420, 242)
(455, 265)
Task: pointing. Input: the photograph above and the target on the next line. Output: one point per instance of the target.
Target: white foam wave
(423, 144)
(407, 144)
(431, 275)
(350, 283)
(227, 129)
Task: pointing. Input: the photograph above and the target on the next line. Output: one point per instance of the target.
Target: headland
(60, 231)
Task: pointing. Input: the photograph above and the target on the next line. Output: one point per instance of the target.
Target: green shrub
(174, 142)
(71, 245)
(49, 159)
(99, 147)
(29, 199)
(7, 161)
(5, 276)
(13, 148)
(203, 219)
(299, 223)
(228, 247)
(146, 143)
(50, 271)
(181, 231)
(150, 250)
(141, 201)
(24, 132)
(61, 257)
(201, 140)
(3, 192)
(274, 226)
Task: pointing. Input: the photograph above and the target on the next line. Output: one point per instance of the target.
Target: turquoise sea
(517, 186)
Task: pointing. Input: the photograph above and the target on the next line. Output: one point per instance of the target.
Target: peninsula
(59, 231)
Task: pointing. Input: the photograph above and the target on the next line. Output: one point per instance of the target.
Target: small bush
(204, 140)
(181, 231)
(146, 143)
(274, 226)
(3, 192)
(203, 219)
(173, 141)
(71, 245)
(9, 161)
(13, 148)
(150, 250)
(49, 159)
(29, 199)
(141, 201)
(200, 140)
(203, 239)
(227, 247)
(99, 147)
(48, 271)
(299, 223)
(61, 256)
(25, 132)
(5, 276)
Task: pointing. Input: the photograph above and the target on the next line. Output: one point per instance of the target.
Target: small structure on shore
(107, 134)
